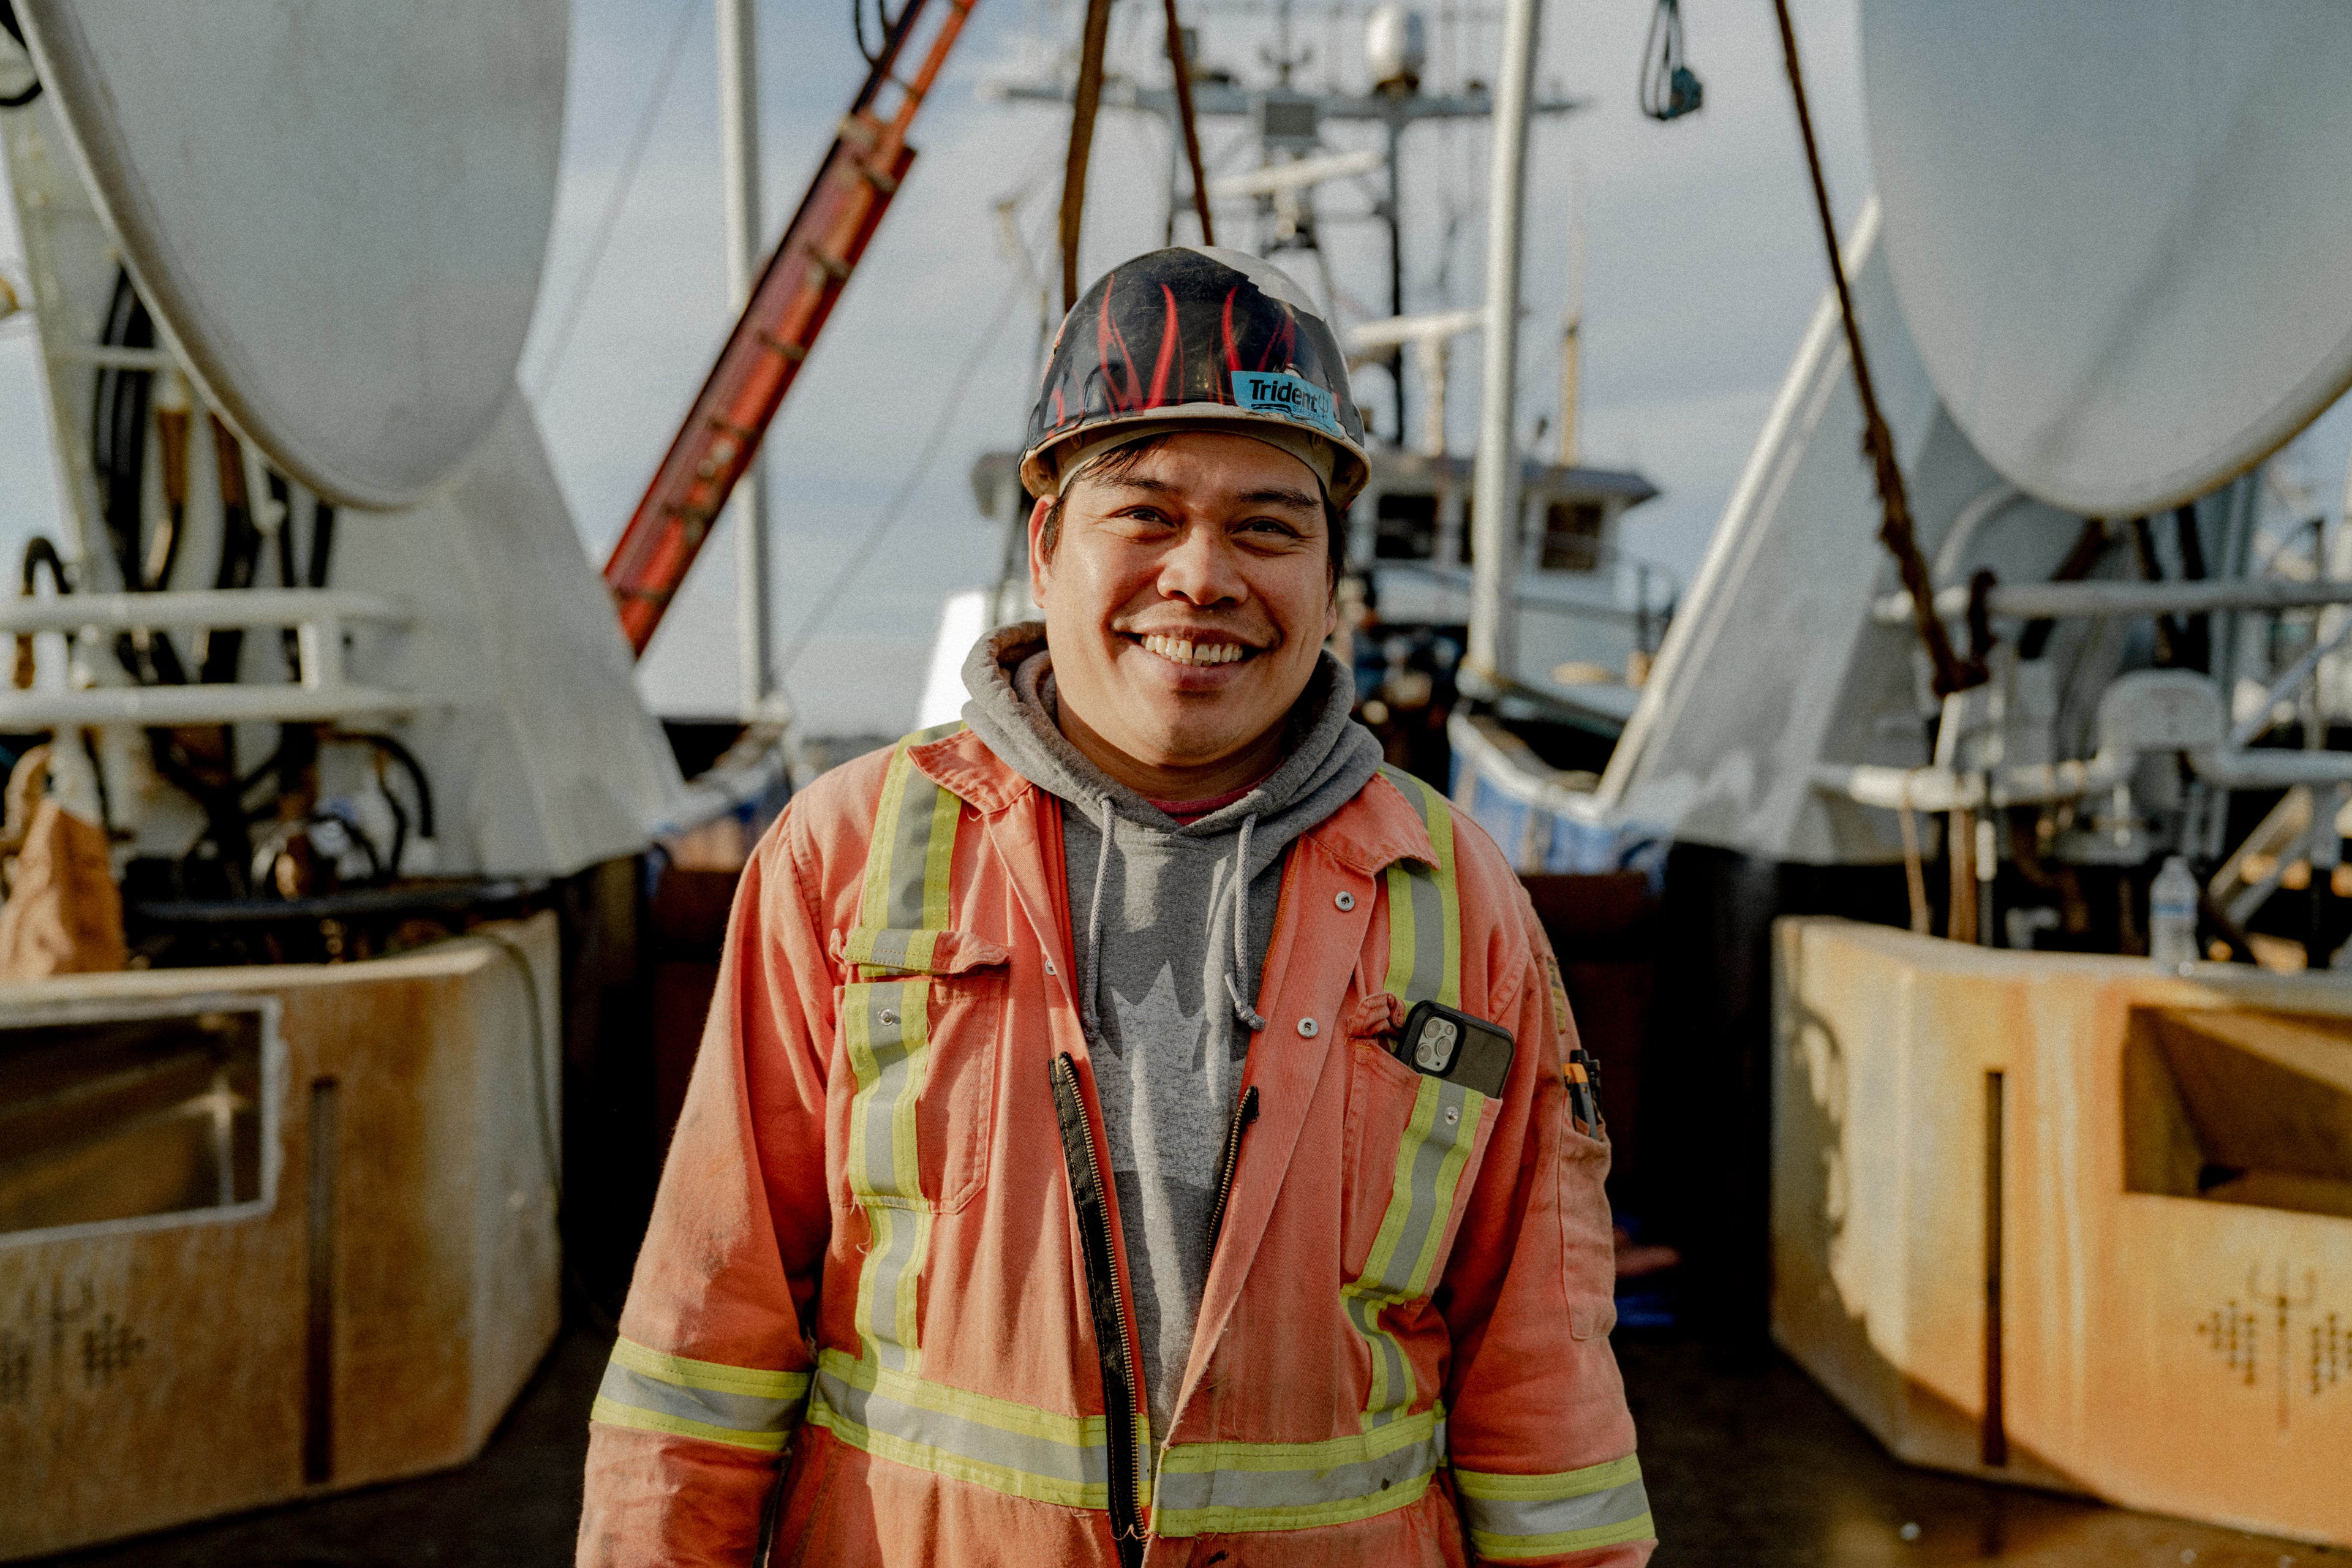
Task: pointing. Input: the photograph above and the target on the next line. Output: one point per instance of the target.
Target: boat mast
(739, 136)
(1494, 482)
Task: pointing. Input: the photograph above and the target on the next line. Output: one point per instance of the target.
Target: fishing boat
(1851, 858)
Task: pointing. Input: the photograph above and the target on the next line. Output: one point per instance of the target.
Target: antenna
(1571, 323)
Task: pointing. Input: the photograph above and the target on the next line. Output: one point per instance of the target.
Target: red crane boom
(788, 307)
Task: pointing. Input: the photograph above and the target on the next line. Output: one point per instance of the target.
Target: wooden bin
(2070, 1222)
(267, 1232)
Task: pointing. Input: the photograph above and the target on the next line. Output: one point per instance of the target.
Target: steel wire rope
(623, 183)
(862, 556)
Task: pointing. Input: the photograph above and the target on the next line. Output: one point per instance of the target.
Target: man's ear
(1041, 565)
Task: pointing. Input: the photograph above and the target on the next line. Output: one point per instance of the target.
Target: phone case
(1447, 1043)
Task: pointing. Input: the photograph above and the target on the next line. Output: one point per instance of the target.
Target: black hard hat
(1196, 337)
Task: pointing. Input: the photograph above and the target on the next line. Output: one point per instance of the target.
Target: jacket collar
(1372, 832)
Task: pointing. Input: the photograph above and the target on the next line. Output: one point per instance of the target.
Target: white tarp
(2118, 229)
(338, 209)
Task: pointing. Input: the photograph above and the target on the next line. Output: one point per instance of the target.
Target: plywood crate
(2070, 1222)
(267, 1232)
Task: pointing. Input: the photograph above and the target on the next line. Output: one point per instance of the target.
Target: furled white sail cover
(338, 208)
(2121, 230)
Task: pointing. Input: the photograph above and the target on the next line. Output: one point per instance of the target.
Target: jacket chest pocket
(920, 1033)
(1412, 1147)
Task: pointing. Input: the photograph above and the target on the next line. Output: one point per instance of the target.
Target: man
(1048, 1186)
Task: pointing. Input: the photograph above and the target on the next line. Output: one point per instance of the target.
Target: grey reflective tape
(897, 1235)
(884, 1004)
(1537, 1523)
(1250, 1488)
(957, 1436)
(745, 1412)
(1391, 1377)
(1398, 1278)
(1428, 936)
(1415, 791)
(910, 849)
(890, 945)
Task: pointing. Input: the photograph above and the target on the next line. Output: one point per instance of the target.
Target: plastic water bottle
(2172, 918)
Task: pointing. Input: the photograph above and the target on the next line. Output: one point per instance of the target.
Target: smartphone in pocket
(1446, 1042)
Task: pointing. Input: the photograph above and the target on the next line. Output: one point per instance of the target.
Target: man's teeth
(1179, 651)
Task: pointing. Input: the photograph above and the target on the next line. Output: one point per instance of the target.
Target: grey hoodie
(1168, 956)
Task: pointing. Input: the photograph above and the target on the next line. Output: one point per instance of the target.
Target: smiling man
(1134, 1127)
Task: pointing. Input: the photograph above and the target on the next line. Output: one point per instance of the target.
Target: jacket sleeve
(711, 1371)
(1540, 1441)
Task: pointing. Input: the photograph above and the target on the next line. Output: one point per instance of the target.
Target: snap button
(889, 1014)
(1452, 1115)
(1345, 899)
(1307, 1028)
(1050, 969)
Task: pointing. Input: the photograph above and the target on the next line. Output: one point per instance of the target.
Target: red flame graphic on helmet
(1106, 335)
(1172, 353)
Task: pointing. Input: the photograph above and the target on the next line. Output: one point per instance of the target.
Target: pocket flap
(917, 952)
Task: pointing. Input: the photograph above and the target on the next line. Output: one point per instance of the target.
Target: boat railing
(321, 691)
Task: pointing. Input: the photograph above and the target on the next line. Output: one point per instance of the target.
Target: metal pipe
(2285, 685)
(2061, 601)
(201, 608)
(739, 138)
(1494, 484)
(98, 706)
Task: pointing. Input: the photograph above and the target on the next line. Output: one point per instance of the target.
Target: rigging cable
(623, 183)
(1182, 68)
(887, 519)
(1086, 100)
(1896, 531)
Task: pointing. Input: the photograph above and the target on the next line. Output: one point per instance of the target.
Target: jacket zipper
(1122, 1392)
(1243, 1114)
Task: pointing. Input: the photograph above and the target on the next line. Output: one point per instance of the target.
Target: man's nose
(1201, 569)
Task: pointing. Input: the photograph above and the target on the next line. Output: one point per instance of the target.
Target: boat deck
(1750, 1466)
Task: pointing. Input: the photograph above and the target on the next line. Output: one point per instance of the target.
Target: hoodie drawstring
(1090, 977)
(1249, 1015)
(1092, 974)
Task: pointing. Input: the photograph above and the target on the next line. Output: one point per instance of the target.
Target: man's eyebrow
(1281, 496)
(1272, 495)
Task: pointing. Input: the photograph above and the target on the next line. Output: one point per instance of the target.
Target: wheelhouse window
(1404, 527)
(1571, 536)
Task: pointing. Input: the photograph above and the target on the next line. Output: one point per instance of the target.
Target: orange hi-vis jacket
(886, 1243)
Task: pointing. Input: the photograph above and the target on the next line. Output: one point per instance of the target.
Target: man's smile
(1192, 650)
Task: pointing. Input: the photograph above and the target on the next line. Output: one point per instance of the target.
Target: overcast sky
(1703, 263)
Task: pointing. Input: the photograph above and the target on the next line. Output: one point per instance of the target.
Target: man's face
(1187, 598)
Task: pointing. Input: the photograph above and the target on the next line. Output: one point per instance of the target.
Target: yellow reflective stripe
(885, 1032)
(715, 1375)
(614, 1413)
(873, 899)
(747, 1408)
(1430, 1156)
(1217, 1487)
(1221, 1520)
(1349, 1448)
(889, 947)
(1505, 1548)
(1494, 1486)
(1425, 906)
(947, 810)
(1013, 1448)
(1513, 1516)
